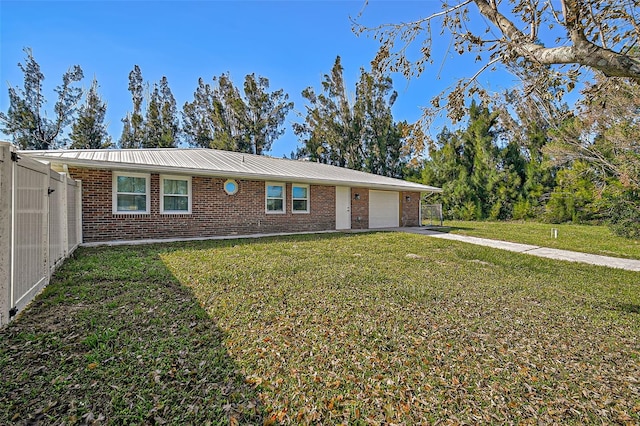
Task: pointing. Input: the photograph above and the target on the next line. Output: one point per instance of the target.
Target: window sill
(125, 213)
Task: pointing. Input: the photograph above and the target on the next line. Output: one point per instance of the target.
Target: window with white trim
(275, 197)
(299, 198)
(130, 193)
(175, 194)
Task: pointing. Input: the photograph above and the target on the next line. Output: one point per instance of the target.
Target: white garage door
(384, 209)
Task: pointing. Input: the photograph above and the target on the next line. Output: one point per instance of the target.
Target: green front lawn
(582, 238)
(374, 328)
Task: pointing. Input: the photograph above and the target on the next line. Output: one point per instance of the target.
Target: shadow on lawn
(629, 308)
(447, 229)
(116, 338)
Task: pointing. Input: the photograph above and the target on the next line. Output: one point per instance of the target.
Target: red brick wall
(410, 213)
(359, 208)
(213, 212)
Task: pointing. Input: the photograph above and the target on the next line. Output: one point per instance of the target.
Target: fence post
(65, 216)
(78, 195)
(46, 182)
(6, 185)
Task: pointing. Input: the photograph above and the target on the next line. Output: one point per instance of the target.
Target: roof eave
(97, 164)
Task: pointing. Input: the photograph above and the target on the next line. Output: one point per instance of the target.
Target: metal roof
(226, 164)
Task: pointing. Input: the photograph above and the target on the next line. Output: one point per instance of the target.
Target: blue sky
(292, 43)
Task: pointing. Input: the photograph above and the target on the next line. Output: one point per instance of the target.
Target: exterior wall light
(356, 196)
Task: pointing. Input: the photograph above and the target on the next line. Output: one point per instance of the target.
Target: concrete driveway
(571, 256)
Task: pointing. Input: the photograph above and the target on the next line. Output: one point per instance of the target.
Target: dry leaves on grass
(399, 338)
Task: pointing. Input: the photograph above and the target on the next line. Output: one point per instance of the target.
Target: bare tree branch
(582, 52)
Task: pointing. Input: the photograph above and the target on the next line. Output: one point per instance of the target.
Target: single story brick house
(143, 194)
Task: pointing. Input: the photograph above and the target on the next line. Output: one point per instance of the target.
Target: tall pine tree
(161, 124)
(153, 121)
(358, 134)
(329, 130)
(169, 114)
(154, 124)
(381, 139)
(262, 114)
(89, 131)
(26, 119)
(133, 132)
(220, 117)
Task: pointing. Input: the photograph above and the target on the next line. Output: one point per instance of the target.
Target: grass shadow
(447, 229)
(629, 308)
(116, 338)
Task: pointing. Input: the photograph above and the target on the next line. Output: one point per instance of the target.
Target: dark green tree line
(219, 117)
(583, 166)
(478, 178)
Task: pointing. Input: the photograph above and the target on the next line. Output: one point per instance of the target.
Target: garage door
(384, 209)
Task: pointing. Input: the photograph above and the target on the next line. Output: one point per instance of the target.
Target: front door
(343, 207)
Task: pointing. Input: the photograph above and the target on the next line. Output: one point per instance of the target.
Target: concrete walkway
(571, 256)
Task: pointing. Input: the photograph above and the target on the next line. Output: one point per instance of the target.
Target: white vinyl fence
(40, 226)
